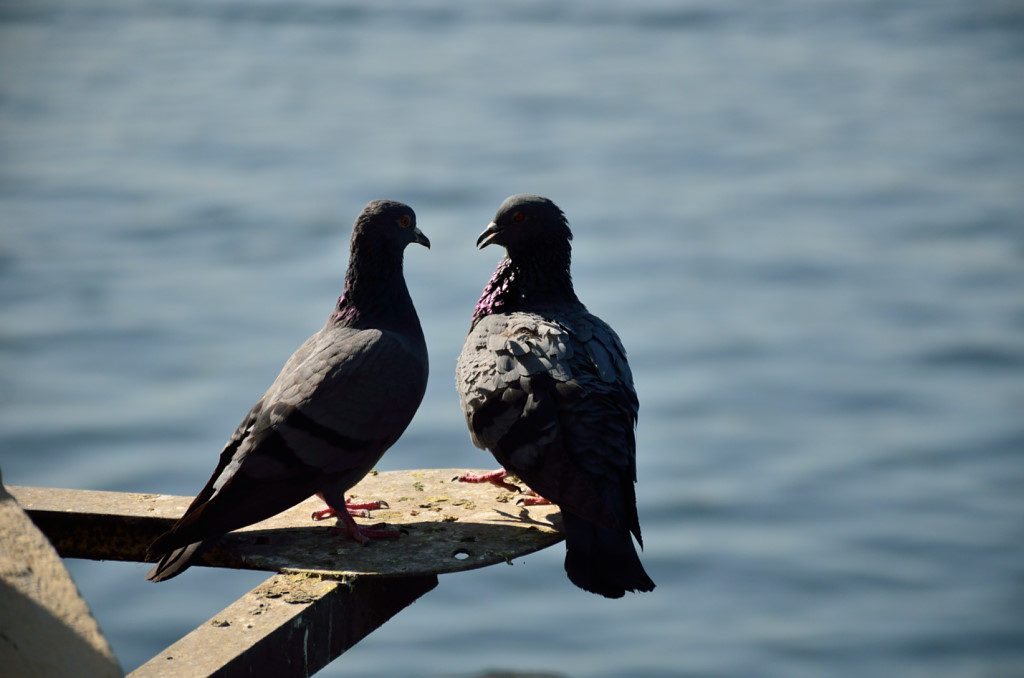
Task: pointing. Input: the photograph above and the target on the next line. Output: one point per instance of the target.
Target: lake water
(805, 219)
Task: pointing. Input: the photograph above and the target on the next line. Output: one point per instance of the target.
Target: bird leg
(362, 535)
(348, 527)
(498, 478)
(493, 477)
(361, 510)
(534, 500)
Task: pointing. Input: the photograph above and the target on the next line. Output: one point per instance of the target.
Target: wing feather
(553, 399)
(338, 403)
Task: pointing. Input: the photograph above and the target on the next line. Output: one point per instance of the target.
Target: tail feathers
(602, 560)
(175, 562)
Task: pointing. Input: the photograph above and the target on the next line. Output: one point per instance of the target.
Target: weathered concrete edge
(46, 627)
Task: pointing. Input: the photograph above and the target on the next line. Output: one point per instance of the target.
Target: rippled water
(804, 219)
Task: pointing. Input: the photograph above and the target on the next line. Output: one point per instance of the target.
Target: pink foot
(535, 500)
(363, 535)
(348, 527)
(366, 505)
(361, 510)
(494, 477)
(323, 514)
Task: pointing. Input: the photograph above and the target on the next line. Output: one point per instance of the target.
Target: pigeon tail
(173, 563)
(602, 560)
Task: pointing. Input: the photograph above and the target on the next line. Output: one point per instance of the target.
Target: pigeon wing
(336, 406)
(553, 399)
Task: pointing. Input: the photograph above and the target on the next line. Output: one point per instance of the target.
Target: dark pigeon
(545, 387)
(342, 399)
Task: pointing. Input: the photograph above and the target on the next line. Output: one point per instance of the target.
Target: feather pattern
(550, 405)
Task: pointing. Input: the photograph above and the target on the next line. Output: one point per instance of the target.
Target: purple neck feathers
(498, 292)
(374, 289)
(534, 283)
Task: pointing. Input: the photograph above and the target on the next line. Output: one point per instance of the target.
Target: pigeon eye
(518, 217)
(404, 221)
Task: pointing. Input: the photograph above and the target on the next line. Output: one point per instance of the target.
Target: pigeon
(545, 386)
(340, 401)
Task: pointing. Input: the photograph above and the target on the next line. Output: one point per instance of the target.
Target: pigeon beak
(419, 238)
(489, 235)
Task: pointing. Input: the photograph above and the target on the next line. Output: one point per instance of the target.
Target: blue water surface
(805, 219)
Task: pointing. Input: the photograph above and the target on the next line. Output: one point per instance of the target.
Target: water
(804, 219)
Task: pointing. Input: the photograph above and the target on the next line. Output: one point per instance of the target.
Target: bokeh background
(804, 219)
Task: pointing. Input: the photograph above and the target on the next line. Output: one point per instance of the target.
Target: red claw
(348, 527)
(493, 477)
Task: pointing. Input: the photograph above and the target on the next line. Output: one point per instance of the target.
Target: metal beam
(290, 625)
(330, 592)
(446, 527)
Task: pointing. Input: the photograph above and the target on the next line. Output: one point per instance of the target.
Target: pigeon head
(374, 284)
(535, 274)
(388, 225)
(526, 222)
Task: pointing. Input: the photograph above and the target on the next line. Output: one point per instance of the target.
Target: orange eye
(518, 217)
(405, 221)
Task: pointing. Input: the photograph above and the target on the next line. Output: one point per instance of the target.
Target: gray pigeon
(546, 388)
(342, 399)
